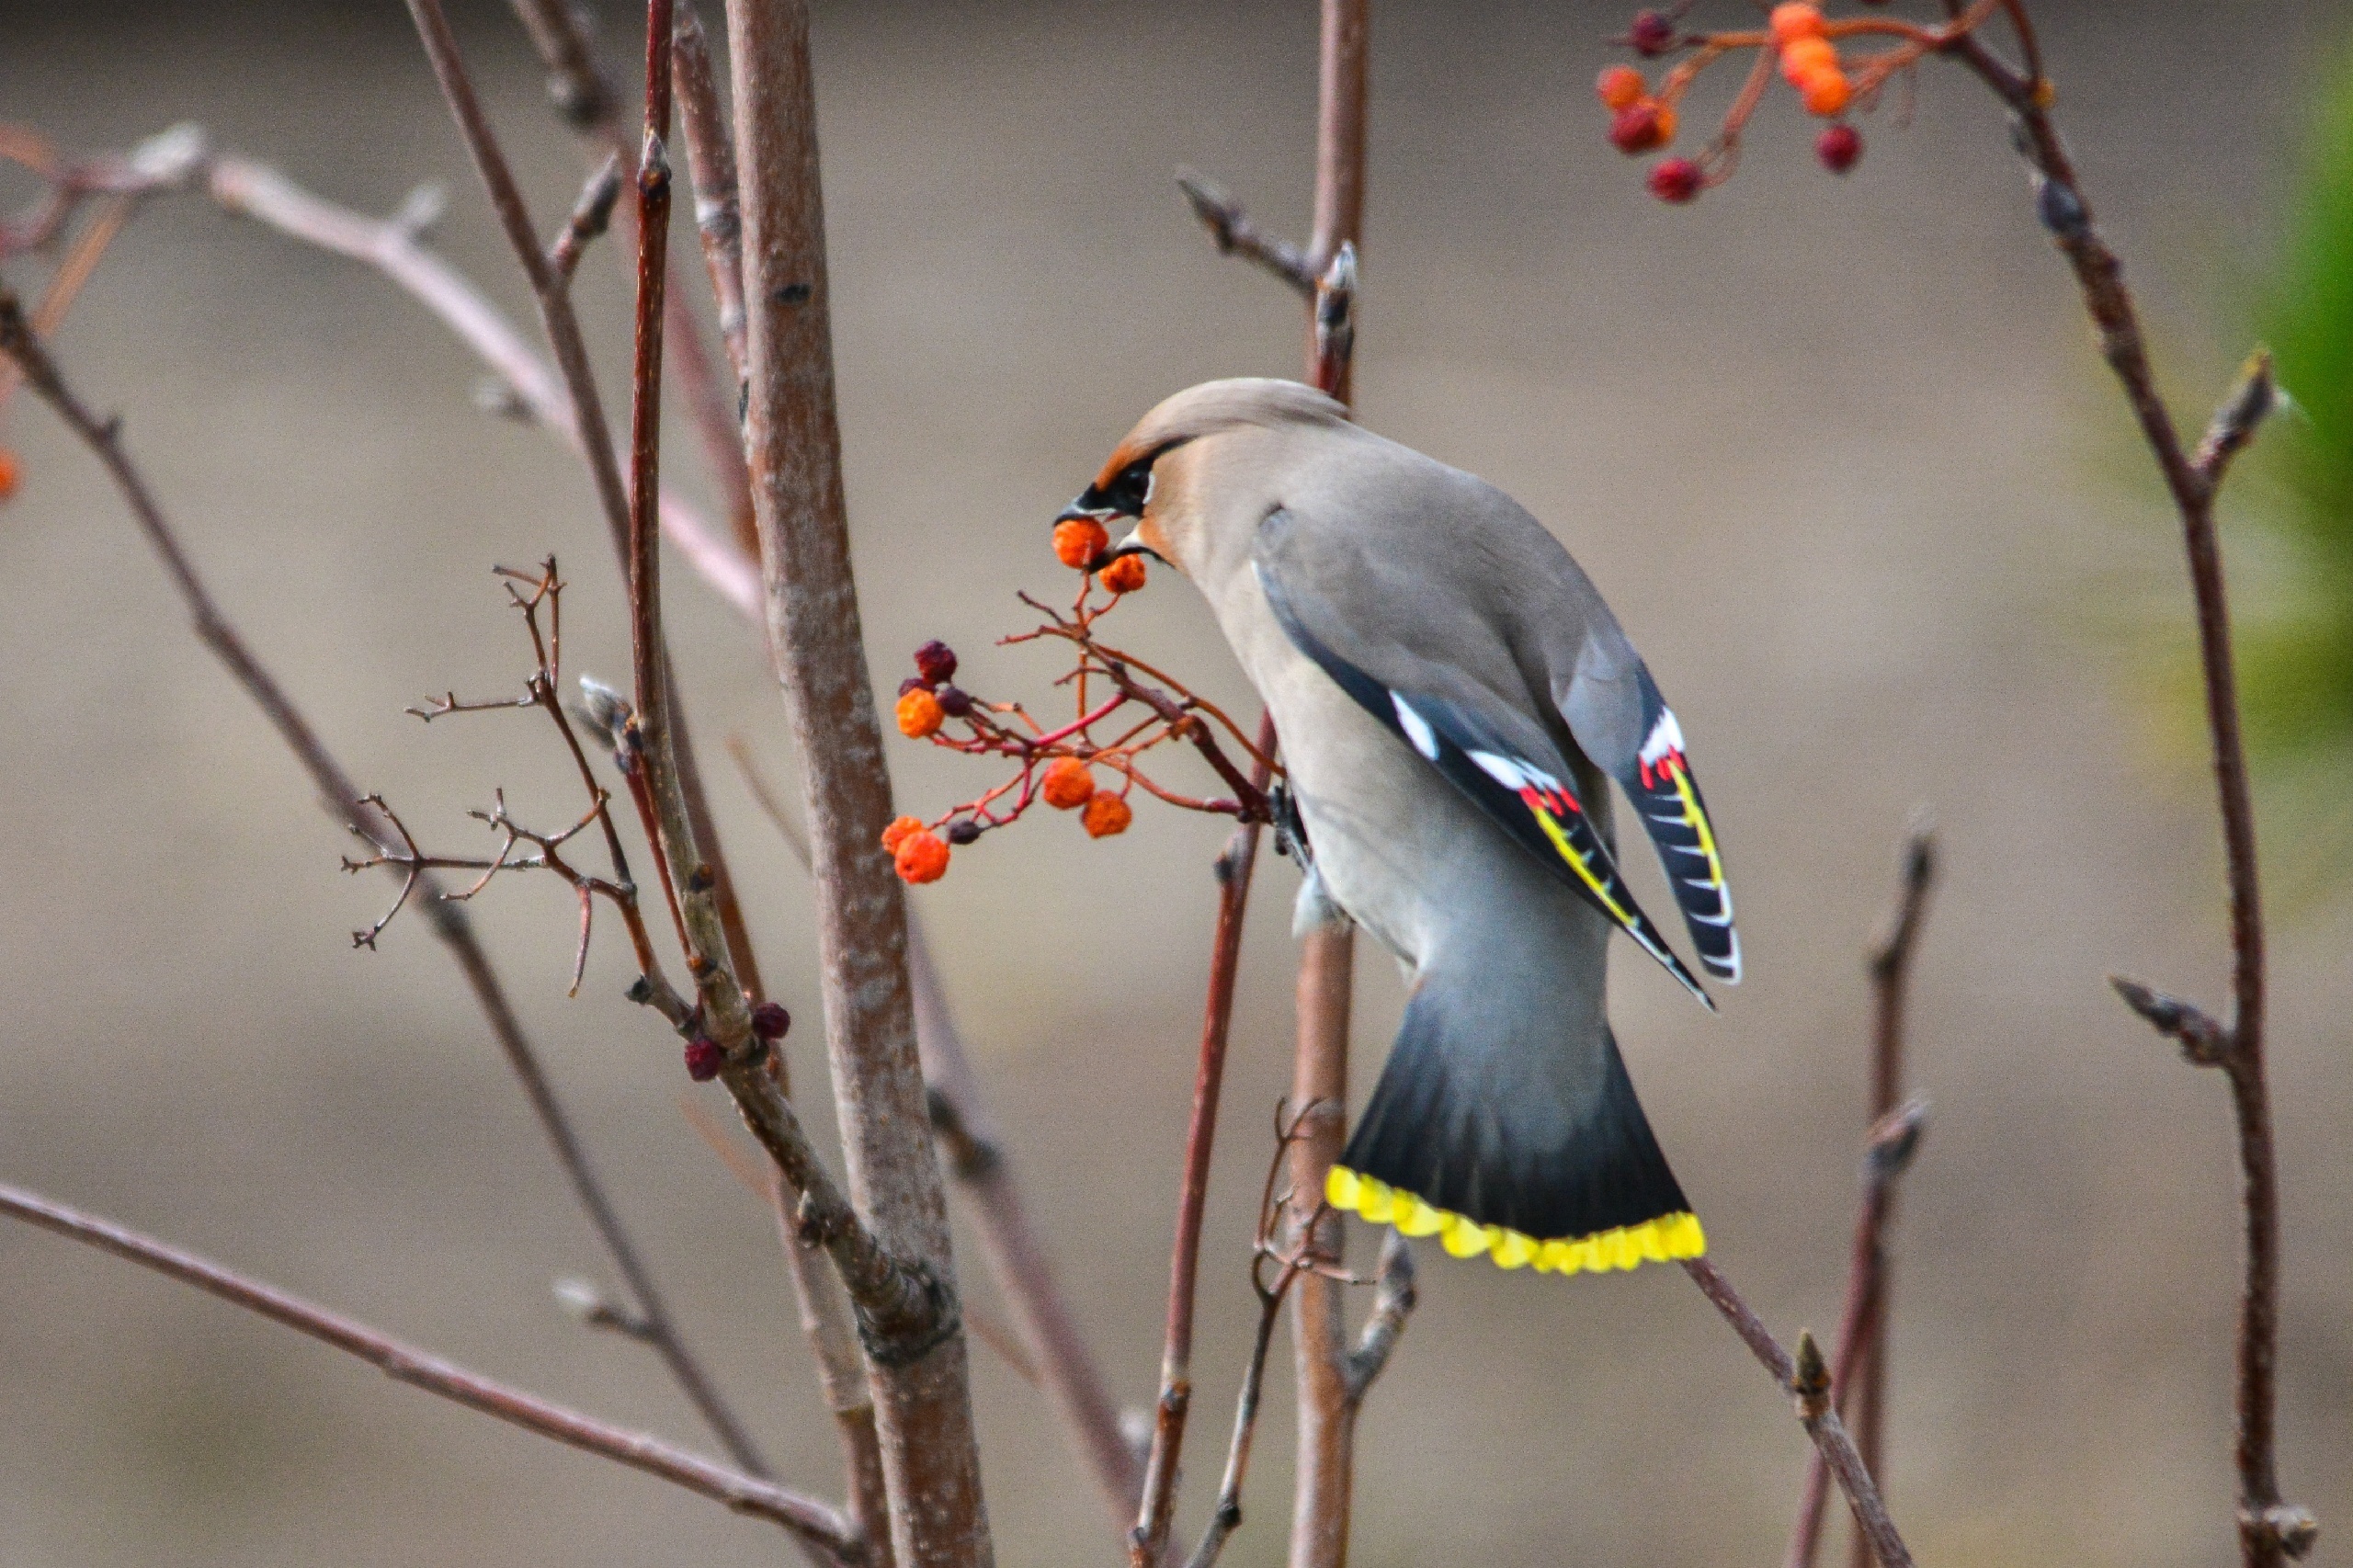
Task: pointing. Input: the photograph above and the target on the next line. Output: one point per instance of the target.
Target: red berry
(1840, 148)
(963, 831)
(1652, 33)
(954, 701)
(704, 1059)
(937, 660)
(770, 1021)
(914, 683)
(1676, 180)
(1639, 127)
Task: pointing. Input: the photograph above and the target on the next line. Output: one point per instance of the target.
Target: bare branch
(922, 1396)
(1862, 1321)
(1235, 234)
(815, 1522)
(344, 801)
(1393, 1304)
(1157, 1506)
(1815, 1411)
(2191, 480)
(1060, 1360)
(591, 215)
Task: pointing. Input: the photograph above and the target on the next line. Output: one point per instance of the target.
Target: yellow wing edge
(1662, 1240)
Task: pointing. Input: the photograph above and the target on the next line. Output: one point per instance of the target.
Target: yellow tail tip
(1659, 1240)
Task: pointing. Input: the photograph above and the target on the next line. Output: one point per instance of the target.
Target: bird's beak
(1089, 505)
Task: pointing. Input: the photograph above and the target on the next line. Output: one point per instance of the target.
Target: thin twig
(710, 163)
(2270, 1529)
(1235, 234)
(1157, 1506)
(343, 800)
(1815, 1409)
(817, 1523)
(1890, 968)
(591, 107)
(1887, 1154)
(259, 192)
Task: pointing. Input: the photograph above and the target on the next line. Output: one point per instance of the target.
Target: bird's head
(1167, 487)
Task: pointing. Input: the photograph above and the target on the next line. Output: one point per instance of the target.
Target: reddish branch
(1234, 867)
(344, 801)
(1861, 1321)
(1869, 1284)
(816, 1523)
(2269, 1529)
(589, 104)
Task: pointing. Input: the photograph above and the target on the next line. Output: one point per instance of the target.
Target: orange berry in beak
(1069, 785)
(920, 715)
(1105, 815)
(1078, 540)
(1124, 575)
(921, 858)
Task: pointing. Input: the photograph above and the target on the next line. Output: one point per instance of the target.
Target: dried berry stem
(816, 1523)
(344, 802)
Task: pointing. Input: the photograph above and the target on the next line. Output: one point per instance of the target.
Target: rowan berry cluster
(1800, 44)
(1088, 766)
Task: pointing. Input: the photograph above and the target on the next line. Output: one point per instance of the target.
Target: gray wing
(1428, 657)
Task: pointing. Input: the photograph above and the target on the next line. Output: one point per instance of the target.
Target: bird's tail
(1565, 1175)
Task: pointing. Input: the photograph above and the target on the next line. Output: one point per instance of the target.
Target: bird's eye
(1132, 490)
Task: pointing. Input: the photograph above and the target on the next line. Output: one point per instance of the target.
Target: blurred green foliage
(2292, 502)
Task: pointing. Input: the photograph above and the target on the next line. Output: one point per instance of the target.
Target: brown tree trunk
(923, 1405)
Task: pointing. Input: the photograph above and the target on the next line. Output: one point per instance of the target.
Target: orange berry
(896, 834)
(10, 472)
(1069, 785)
(1794, 21)
(1621, 86)
(920, 857)
(920, 715)
(1807, 56)
(1078, 540)
(1107, 814)
(1826, 93)
(1124, 575)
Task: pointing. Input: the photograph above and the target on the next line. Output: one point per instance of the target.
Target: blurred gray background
(1840, 453)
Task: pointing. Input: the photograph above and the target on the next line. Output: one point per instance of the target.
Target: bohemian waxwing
(1451, 696)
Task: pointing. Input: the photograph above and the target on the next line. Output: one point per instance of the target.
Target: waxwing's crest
(1212, 407)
